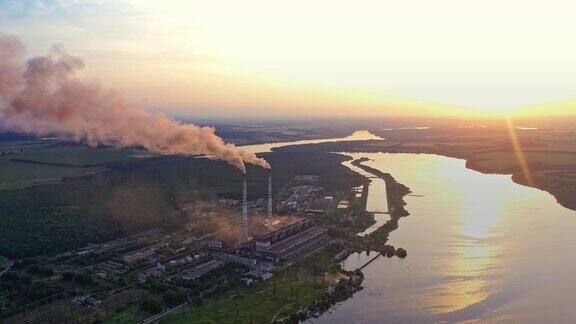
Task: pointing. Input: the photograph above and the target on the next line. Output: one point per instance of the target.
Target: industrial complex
(283, 238)
(243, 239)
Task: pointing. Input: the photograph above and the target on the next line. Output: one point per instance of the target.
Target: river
(480, 248)
(361, 135)
(377, 202)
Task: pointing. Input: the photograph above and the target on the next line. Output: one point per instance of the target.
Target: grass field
(568, 176)
(258, 304)
(21, 145)
(3, 263)
(290, 290)
(509, 159)
(80, 156)
(75, 161)
(132, 314)
(16, 174)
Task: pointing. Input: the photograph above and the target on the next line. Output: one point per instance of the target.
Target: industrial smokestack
(244, 209)
(269, 193)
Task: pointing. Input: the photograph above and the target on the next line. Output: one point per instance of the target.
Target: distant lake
(480, 248)
(361, 135)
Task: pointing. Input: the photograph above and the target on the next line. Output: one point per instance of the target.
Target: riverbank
(395, 191)
(471, 239)
(378, 239)
(540, 165)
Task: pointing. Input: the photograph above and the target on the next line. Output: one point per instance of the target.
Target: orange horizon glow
(352, 58)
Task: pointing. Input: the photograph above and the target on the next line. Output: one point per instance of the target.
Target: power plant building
(291, 241)
(285, 243)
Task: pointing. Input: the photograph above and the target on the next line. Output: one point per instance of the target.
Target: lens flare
(519, 152)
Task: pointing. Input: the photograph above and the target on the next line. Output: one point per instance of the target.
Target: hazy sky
(265, 58)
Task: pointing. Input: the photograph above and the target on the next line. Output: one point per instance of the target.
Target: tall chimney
(269, 193)
(244, 209)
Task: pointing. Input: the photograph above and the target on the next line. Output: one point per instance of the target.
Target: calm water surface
(377, 202)
(480, 248)
(361, 135)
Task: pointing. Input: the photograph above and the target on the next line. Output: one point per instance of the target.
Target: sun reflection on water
(479, 248)
(473, 253)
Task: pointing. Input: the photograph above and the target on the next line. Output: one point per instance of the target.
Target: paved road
(10, 263)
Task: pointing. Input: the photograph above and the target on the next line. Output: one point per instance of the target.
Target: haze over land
(423, 161)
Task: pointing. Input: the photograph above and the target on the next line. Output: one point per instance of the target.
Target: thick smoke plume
(44, 96)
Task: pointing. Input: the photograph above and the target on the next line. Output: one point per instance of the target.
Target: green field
(510, 159)
(9, 145)
(54, 163)
(80, 156)
(257, 304)
(289, 291)
(132, 314)
(3, 263)
(15, 174)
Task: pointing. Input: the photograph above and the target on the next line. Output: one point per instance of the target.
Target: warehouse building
(291, 241)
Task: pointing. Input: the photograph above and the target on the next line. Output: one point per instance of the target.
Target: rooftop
(297, 239)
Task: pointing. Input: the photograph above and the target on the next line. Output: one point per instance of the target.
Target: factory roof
(270, 235)
(297, 239)
(203, 269)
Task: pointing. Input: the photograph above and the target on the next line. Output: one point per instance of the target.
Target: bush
(150, 305)
(10, 276)
(122, 281)
(401, 253)
(40, 290)
(173, 297)
(157, 286)
(41, 271)
(84, 279)
(68, 276)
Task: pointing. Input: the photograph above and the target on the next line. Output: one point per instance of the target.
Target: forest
(134, 195)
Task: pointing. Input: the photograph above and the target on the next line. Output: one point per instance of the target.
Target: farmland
(32, 162)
